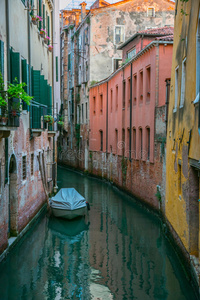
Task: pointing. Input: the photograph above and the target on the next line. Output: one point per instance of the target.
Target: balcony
(41, 118)
(9, 120)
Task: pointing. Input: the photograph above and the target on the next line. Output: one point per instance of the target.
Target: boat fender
(88, 205)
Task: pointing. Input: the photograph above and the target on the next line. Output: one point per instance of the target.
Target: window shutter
(24, 79)
(42, 91)
(44, 16)
(2, 57)
(15, 66)
(36, 85)
(40, 13)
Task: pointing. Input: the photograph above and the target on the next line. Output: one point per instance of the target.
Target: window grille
(119, 34)
(32, 163)
(24, 167)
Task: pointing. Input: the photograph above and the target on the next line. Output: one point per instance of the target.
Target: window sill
(174, 110)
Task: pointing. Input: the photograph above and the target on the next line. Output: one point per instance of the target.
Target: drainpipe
(8, 40)
(107, 121)
(167, 101)
(130, 115)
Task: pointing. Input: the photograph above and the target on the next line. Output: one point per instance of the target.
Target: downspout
(167, 101)
(130, 115)
(8, 40)
(29, 61)
(54, 157)
(107, 121)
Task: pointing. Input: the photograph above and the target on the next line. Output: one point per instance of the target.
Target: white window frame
(150, 7)
(113, 63)
(133, 50)
(122, 34)
(176, 89)
(183, 83)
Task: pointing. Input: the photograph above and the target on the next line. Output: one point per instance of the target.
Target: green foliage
(88, 20)
(126, 61)
(72, 38)
(71, 27)
(3, 102)
(66, 30)
(183, 12)
(16, 90)
(76, 34)
(158, 194)
(61, 123)
(49, 119)
(93, 82)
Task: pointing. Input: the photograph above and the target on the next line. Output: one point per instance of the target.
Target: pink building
(128, 114)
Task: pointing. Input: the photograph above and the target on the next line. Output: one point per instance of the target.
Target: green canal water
(117, 252)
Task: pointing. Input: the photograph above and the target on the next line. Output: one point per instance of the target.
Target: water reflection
(118, 252)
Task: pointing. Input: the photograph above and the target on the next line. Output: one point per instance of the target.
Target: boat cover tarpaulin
(68, 198)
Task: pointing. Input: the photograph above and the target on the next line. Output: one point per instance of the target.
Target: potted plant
(61, 124)
(49, 119)
(16, 92)
(46, 39)
(42, 32)
(3, 111)
(35, 19)
(50, 48)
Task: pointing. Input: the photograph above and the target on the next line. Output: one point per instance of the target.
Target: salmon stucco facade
(127, 120)
(183, 134)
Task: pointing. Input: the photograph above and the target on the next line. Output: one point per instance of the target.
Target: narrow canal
(118, 252)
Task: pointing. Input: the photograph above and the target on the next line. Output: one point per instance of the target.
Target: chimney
(83, 10)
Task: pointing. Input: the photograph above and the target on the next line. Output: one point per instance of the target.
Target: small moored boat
(68, 204)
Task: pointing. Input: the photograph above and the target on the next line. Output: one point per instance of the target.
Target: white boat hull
(69, 214)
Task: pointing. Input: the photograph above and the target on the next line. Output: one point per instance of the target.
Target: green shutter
(57, 68)
(44, 16)
(24, 79)
(15, 66)
(42, 89)
(40, 13)
(36, 85)
(2, 57)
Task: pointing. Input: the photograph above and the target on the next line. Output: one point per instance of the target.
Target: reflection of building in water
(128, 250)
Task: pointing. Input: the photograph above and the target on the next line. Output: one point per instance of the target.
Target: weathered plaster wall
(133, 16)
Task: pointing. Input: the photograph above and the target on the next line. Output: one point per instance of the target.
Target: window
(119, 34)
(134, 143)
(116, 140)
(183, 83)
(94, 105)
(111, 99)
(150, 12)
(82, 113)
(123, 141)
(141, 144)
(117, 62)
(116, 97)
(148, 83)
(131, 53)
(101, 140)
(124, 94)
(134, 89)
(141, 86)
(32, 163)
(148, 143)
(176, 88)
(24, 167)
(78, 114)
(69, 61)
(86, 112)
(129, 91)
(101, 104)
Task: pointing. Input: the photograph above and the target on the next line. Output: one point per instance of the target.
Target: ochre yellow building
(183, 134)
